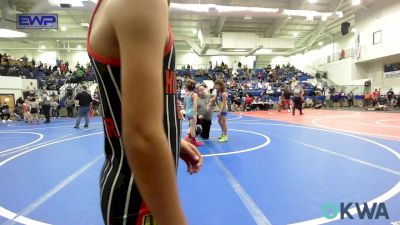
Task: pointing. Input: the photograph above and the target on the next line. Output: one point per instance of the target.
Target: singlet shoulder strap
(99, 57)
(170, 44)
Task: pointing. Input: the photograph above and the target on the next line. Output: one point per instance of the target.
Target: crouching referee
(204, 116)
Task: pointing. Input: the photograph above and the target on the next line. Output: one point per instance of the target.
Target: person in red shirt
(376, 94)
(248, 100)
(342, 54)
(63, 68)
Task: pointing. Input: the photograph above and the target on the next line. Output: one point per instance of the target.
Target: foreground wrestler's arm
(141, 29)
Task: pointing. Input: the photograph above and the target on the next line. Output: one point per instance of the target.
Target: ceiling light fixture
(220, 10)
(84, 25)
(356, 2)
(339, 14)
(320, 43)
(42, 47)
(324, 18)
(73, 3)
(309, 18)
(263, 51)
(295, 34)
(312, 1)
(353, 29)
(63, 28)
(6, 33)
(79, 47)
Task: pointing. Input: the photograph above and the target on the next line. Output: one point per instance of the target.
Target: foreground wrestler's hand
(191, 155)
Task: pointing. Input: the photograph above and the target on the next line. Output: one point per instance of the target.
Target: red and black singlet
(121, 202)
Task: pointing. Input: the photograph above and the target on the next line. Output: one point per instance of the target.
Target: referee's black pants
(205, 126)
(297, 104)
(46, 112)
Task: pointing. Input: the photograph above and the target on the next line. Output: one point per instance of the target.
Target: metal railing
(349, 53)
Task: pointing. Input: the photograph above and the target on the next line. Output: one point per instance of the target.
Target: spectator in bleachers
(342, 55)
(31, 89)
(70, 90)
(309, 103)
(55, 106)
(350, 99)
(24, 60)
(328, 99)
(33, 62)
(63, 68)
(4, 112)
(80, 74)
(335, 99)
(96, 104)
(248, 100)
(367, 86)
(70, 104)
(6, 59)
(237, 104)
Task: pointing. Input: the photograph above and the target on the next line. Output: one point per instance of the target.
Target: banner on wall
(37, 21)
(391, 70)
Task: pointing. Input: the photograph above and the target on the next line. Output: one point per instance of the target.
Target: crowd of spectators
(261, 89)
(50, 77)
(46, 97)
(250, 89)
(374, 100)
(46, 105)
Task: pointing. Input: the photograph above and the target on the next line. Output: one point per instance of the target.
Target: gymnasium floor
(276, 169)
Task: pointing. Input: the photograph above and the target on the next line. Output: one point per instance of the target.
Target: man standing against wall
(350, 99)
(31, 89)
(204, 116)
(84, 99)
(390, 96)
